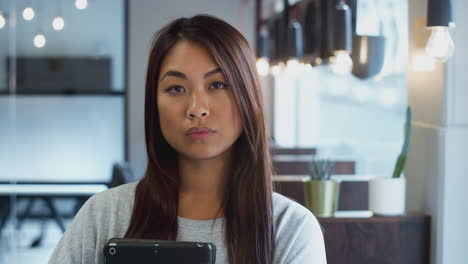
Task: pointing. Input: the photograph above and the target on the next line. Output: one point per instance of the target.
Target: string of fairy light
(29, 14)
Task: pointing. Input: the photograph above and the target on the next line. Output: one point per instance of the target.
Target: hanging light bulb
(440, 45)
(58, 23)
(39, 41)
(341, 63)
(294, 67)
(2, 20)
(295, 45)
(263, 66)
(307, 67)
(28, 13)
(81, 4)
(341, 42)
(277, 69)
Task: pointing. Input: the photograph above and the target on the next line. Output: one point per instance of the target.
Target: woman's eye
(218, 85)
(175, 89)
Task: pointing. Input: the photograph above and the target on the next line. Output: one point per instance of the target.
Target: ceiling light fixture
(341, 44)
(440, 45)
(39, 40)
(2, 20)
(81, 4)
(28, 13)
(58, 23)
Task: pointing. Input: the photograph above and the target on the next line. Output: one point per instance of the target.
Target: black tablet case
(143, 251)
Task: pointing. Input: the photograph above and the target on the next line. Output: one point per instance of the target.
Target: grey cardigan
(107, 214)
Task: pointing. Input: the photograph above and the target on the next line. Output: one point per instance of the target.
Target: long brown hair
(247, 204)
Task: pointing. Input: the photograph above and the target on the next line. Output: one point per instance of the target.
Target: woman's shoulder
(299, 237)
(121, 194)
(118, 191)
(284, 207)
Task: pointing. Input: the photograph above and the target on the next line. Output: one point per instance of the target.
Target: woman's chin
(202, 153)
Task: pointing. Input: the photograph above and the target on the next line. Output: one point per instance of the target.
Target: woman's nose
(198, 107)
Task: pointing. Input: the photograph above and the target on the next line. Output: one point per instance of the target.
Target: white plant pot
(387, 196)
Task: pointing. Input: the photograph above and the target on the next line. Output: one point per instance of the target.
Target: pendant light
(295, 43)
(81, 4)
(439, 20)
(58, 23)
(2, 20)
(263, 63)
(28, 13)
(39, 39)
(341, 41)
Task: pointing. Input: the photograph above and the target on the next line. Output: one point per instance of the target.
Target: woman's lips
(201, 135)
(200, 132)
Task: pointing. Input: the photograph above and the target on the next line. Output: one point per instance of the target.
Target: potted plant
(387, 195)
(321, 191)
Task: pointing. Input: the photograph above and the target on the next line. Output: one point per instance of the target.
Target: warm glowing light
(341, 63)
(2, 20)
(307, 68)
(58, 23)
(293, 66)
(277, 69)
(423, 63)
(440, 44)
(263, 66)
(28, 13)
(39, 41)
(318, 61)
(81, 4)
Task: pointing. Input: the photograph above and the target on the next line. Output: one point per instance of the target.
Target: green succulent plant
(401, 161)
(321, 169)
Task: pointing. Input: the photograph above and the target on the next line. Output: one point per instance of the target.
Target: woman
(209, 169)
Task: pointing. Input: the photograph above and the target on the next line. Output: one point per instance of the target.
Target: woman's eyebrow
(183, 76)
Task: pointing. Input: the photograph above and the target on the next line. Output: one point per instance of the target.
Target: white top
(299, 238)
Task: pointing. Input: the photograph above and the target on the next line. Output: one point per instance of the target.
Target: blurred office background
(72, 78)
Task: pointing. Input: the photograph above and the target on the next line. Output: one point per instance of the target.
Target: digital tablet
(145, 251)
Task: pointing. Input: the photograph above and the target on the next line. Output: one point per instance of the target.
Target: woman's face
(193, 93)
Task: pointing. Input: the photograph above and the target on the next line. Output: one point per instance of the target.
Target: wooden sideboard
(377, 240)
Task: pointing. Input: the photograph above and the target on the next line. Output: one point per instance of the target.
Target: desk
(51, 190)
(384, 240)
(45, 192)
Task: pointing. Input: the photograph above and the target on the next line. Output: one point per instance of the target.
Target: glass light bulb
(58, 23)
(28, 13)
(293, 66)
(263, 66)
(440, 44)
(2, 21)
(342, 63)
(307, 68)
(278, 69)
(81, 4)
(39, 41)
(275, 70)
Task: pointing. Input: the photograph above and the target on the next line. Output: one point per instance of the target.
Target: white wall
(145, 18)
(437, 166)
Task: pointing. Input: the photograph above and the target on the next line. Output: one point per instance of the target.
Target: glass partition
(62, 115)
